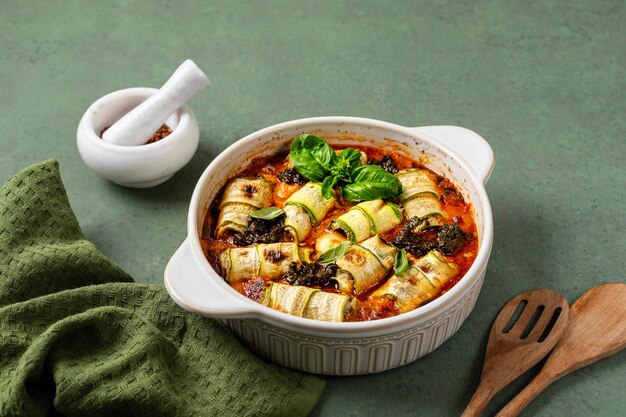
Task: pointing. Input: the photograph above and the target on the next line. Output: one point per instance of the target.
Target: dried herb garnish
(311, 275)
(418, 237)
(386, 162)
(452, 195)
(291, 176)
(261, 231)
(450, 238)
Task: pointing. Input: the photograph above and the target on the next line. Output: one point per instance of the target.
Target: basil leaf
(401, 263)
(327, 187)
(312, 157)
(331, 255)
(267, 213)
(346, 162)
(370, 182)
(352, 156)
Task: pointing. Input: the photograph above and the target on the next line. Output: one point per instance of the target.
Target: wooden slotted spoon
(515, 346)
(597, 330)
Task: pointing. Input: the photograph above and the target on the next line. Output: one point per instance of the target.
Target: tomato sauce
(456, 209)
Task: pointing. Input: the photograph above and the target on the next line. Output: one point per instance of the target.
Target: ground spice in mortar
(163, 131)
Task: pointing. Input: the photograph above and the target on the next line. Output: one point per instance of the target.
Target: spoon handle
(521, 400)
(479, 401)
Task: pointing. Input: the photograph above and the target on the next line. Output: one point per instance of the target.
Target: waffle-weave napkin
(79, 338)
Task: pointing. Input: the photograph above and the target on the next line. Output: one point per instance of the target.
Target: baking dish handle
(191, 289)
(467, 143)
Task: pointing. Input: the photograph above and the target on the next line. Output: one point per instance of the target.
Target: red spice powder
(163, 131)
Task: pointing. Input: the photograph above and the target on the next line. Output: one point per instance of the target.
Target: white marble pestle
(138, 125)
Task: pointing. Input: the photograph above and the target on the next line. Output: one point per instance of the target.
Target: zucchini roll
(367, 263)
(267, 260)
(423, 205)
(419, 197)
(328, 241)
(345, 282)
(436, 269)
(241, 197)
(368, 219)
(297, 222)
(327, 306)
(310, 208)
(289, 299)
(309, 302)
(419, 284)
(414, 182)
(409, 290)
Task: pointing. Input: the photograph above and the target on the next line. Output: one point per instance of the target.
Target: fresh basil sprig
(312, 157)
(347, 161)
(401, 263)
(316, 160)
(267, 213)
(331, 255)
(327, 187)
(369, 182)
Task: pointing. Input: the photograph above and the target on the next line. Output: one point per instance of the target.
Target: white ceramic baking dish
(326, 347)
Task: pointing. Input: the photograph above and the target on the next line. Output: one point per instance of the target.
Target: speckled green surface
(543, 82)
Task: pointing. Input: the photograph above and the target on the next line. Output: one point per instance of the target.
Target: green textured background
(543, 82)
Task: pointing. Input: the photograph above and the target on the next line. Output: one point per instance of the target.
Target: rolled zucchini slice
(240, 263)
(345, 282)
(367, 263)
(327, 306)
(385, 253)
(327, 241)
(310, 198)
(255, 191)
(289, 299)
(436, 269)
(304, 253)
(297, 222)
(414, 182)
(423, 205)
(269, 260)
(233, 217)
(367, 219)
(355, 224)
(241, 197)
(419, 284)
(383, 216)
(275, 258)
(409, 290)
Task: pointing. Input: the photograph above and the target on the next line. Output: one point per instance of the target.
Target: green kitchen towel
(79, 338)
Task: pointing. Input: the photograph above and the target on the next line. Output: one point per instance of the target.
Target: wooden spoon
(516, 345)
(597, 329)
